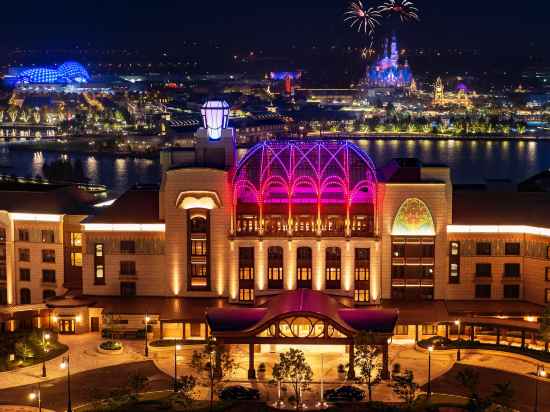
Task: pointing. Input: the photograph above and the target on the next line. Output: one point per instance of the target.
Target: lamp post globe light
(541, 373)
(45, 339)
(458, 355)
(66, 365)
(147, 320)
(215, 117)
(430, 350)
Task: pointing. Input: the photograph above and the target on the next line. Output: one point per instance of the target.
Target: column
(498, 336)
(472, 333)
(416, 333)
(385, 362)
(447, 331)
(522, 340)
(251, 370)
(351, 368)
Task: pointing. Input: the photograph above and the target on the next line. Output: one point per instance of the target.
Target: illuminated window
(198, 249)
(304, 267)
(333, 268)
(99, 249)
(99, 264)
(99, 272)
(429, 329)
(76, 259)
(454, 262)
(246, 295)
(362, 264)
(402, 330)
(246, 274)
(413, 219)
(76, 239)
(275, 267)
(362, 296)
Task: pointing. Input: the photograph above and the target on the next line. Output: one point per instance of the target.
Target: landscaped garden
(26, 348)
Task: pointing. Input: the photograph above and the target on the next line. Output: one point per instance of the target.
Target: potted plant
(396, 369)
(261, 371)
(341, 372)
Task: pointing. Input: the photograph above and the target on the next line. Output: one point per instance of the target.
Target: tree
(293, 367)
(212, 365)
(137, 383)
(544, 322)
(186, 390)
(503, 396)
(470, 380)
(405, 387)
(367, 360)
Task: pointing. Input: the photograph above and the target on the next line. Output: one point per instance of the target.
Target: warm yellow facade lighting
(105, 227)
(35, 217)
(529, 230)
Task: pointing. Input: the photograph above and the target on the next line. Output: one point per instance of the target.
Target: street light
(66, 365)
(37, 395)
(541, 373)
(176, 349)
(430, 350)
(457, 323)
(45, 338)
(147, 319)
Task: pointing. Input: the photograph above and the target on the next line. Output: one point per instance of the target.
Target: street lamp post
(45, 338)
(541, 373)
(147, 319)
(457, 323)
(38, 396)
(66, 365)
(430, 350)
(176, 349)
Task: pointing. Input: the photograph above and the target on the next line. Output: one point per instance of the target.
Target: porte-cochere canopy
(300, 316)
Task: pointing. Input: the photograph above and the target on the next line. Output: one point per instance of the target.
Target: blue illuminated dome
(73, 72)
(67, 73)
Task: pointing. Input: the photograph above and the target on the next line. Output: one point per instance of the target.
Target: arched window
(413, 219)
(25, 296)
(333, 268)
(304, 267)
(48, 294)
(275, 267)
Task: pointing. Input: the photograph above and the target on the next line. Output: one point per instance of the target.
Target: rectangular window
(429, 329)
(483, 270)
(246, 295)
(195, 329)
(362, 264)
(512, 249)
(127, 289)
(246, 274)
(23, 235)
(483, 291)
(24, 274)
(454, 262)
(24, 255)
(48, 256)
(511, 291)
(275, 269)
(99, 264)
(304, 267)
(362, 295)
(412, 268)
(76, 259)
(100, 274)
(548, 252)
(483, 248)
(48, 276)
(547, 296)
(547, 275)
(333, 267)
(199, 247)
(48, 236)
(127, 247)
(127, 268)
(512, 270)
(402, 330)
(76, 239)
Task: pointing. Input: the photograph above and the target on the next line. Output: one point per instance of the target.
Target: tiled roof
(137, 205)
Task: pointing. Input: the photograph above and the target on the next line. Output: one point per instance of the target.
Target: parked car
(345, 394)
(239, 393)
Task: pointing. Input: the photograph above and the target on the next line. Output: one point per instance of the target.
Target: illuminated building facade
(67, 73)
(314, 216)
(459, 98)
(388, 71)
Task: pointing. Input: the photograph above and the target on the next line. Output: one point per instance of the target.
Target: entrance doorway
(67, 326)
(94, 324)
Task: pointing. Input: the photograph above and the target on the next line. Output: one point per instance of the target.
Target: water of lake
(471, 161)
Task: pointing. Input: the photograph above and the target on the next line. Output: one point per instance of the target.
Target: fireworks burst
(364, 19)
(405, 9)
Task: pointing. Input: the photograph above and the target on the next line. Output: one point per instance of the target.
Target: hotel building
(292, 234)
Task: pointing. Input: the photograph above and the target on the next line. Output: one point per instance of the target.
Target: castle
(388, 72)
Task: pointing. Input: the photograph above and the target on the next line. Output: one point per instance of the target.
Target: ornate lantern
(215, 116)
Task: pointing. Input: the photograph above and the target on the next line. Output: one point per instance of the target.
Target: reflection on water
(471, 161)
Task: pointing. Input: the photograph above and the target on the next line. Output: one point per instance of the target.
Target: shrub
(110, 345)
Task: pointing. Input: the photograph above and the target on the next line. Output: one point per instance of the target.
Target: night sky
(504, 26)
